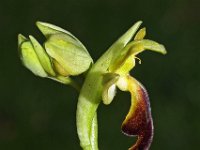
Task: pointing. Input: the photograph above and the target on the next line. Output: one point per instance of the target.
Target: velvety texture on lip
(139, 120)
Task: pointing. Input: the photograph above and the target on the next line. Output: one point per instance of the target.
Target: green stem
(94, 133)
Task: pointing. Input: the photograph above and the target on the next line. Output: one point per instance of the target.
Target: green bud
(68, 53)
(29, 57)
(63, 55)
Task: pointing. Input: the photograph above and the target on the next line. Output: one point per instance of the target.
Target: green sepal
(21, 39)
(29, 57)
(42, 56)
(68, 53)
(48, 29)
(117, 47)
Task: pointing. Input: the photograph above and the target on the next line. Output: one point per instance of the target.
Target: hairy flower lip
(139, 122)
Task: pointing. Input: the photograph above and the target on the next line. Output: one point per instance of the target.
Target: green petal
(42, 56)
(68, 53)
(140, 34)
(147, 45)
(30, 59)
(125, 62)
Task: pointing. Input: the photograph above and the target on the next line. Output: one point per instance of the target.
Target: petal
(140, 34)
(147, 45)
(42, 56)
(126, 61)
(59, 69)
(138, 120)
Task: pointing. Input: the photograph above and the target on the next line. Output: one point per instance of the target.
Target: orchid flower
(63, 56)
(111, 71)
(138, 120)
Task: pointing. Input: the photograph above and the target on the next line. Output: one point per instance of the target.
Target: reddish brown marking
(140, 123)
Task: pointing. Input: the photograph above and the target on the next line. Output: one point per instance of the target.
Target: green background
(39, 114)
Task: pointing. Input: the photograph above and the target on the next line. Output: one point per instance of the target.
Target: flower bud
(63, 55)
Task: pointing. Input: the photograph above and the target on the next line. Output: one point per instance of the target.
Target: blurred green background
(39, 114)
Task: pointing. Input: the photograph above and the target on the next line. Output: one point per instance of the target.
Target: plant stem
(94, 133)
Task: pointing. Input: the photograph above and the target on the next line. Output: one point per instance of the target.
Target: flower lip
(139, 120)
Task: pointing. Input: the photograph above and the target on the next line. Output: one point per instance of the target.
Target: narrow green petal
(42, 56)
(126, 61)
(30, 59)
(135, 46)
(154, 46)
(140, 34)
(72, 57)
